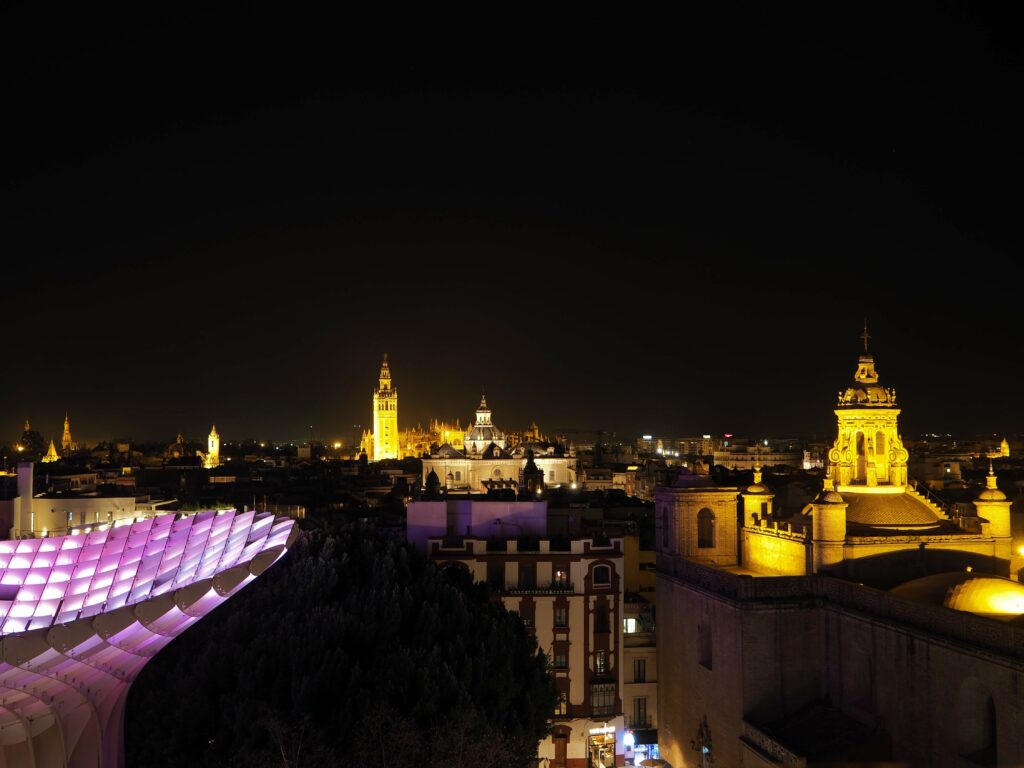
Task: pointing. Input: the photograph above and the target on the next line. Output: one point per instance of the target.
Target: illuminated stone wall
(772, 551)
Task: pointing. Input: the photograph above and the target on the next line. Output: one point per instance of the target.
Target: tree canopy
(355, 650)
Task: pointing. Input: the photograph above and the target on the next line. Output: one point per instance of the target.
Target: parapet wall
(974, 632)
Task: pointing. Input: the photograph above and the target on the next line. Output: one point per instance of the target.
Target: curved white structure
(82, 614)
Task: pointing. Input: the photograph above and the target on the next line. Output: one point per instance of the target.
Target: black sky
(670, 225)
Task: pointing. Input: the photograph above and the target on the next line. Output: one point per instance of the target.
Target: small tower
(993, 506)
(533, 477)
(828, 535)
(212, 458)
(385, 416)
(66, 443)
(433, 490)
(51, 455)
(1004, 449)
(757, 499)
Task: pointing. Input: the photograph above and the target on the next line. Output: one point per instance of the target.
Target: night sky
(632, 225)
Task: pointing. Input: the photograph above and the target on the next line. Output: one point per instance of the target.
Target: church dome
(865, 390)
(757, 487)
(889, 510)
(829, 496)
(984, 594)
(483, 433)
(991, 494)
(991, 491)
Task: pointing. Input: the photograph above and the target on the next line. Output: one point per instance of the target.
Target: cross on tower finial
(865, 335)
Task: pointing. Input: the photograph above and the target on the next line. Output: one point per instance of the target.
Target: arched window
(602, 576)
(705, 529)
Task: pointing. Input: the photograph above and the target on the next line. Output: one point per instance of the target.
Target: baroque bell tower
(385, 416)
(868, 454)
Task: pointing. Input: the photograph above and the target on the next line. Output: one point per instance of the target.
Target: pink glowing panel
(107, 602)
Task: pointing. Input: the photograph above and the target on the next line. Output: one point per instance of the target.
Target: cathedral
(387, 441)
(874, 625)
(488, 459)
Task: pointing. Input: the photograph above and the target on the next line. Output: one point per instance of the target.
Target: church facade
(487, 460)
(871, 626)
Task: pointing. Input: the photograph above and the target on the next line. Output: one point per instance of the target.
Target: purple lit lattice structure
(82, 614)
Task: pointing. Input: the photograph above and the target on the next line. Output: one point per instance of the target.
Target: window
(601, 619)
(602, 575)
(561, 660)
(640, 712)
(527, 576)
(664, 527)
(458, 474)
(764, 509)
(704, 645)
(602, 699)
(496, 575)
(561, 579)
(561, 617)
(551, 476)
(705, 529)
(629, 626)
(562, 706)
(601, 662)
(639, 670)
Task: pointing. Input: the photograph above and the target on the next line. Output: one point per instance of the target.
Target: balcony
(639, 639)
(554, 588)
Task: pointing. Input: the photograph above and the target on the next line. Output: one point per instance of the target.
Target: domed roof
(991, 494)
(829, 496)
(991, 491)
(485, 433)
(889, 510)
(757, 487)
(981, 593)
(865, 390)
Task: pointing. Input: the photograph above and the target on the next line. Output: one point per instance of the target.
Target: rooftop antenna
(865, 335)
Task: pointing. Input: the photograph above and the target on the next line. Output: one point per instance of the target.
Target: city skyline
(422, 415)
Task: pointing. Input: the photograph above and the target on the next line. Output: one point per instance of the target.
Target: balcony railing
(554, 588)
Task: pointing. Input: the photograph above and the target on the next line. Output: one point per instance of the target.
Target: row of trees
(353, 650)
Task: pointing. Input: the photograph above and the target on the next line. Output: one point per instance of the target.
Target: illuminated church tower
(212, 458)
(868, 454)
(385, 417)
(66, 443)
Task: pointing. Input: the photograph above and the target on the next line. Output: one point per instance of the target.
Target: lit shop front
(601, 747)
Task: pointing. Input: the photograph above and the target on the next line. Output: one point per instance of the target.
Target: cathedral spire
(51, 455)
(385, 373)
(65, 441)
